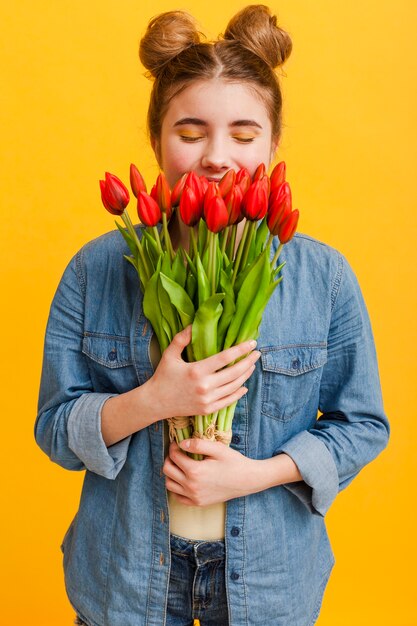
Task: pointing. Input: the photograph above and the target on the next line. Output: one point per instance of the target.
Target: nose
(215, 157)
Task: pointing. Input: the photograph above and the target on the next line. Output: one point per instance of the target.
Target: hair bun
(256, 29)
(167, 35)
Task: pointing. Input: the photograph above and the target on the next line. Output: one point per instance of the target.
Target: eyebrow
(197, 122)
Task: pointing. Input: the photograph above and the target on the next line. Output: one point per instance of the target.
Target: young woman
(238, 538)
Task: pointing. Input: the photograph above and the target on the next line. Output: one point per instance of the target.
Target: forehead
(218, 101)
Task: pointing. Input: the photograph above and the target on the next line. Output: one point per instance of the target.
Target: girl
(238, 538)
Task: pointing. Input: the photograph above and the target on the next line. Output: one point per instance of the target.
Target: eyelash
(195, 139)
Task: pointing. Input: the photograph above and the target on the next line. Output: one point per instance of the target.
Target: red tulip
(255, 201)
(204, 184)
(163, 195)
(259, 172)
(148, 210)
(136, 180)
(243, 179)
(114, 194)
(227, 182)
(190, 207)
(280, 205)
(211, 192)
(178, 189)
(196, 185)
(278, 175)
(216, 213)
(233, 201)
(288, 227)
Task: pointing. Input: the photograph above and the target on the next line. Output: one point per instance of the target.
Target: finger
(180, 341)
(228, 374)
(196, 445)
(227, 400)
(172, 470)
(226, 390)
(174, 487)
(218, 361)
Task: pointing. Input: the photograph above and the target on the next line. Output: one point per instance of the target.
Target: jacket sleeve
(352, 429)
(68, 424)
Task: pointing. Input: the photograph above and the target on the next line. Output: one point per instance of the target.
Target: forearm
(278, 470)
(127, 413)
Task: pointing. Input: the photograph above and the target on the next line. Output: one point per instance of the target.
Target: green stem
(167, 237)
(231, 243)
(193, 242)
(248, 242)
(214, 263)
(277, 253)
(128, 222)
(225, 237)
(270, 238)
(157, 239)
(240, 251)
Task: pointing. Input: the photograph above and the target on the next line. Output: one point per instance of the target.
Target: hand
(179, 388)
(223, 474)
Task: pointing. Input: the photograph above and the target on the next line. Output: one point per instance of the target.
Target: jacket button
(235, 439)
(295, 364)
(235, 531)
(234, 576)
(113, 355)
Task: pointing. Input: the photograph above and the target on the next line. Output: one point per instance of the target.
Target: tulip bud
(280, 206)
(255, 201)
(216, 213)
(204, 184)
(259, 172)
(196, 185)
(243, 179)
(178, 189)
(227, 182)
(190, 207)
(233, 201)
(136, 180)
(211, 192)
(148, 210)
(163, 195)
(288, 227)
(278, 175)
(114, 194)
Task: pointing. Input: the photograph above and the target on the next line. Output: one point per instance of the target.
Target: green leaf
(167, 309)
(152, 310)
(204, 331)
(250, 296)
(229, 308)
(191, 285)
(202, 282)
(202, 237)
(262, 233)
(179, 299)
(179, 272)
(128, 239)
(250, 326)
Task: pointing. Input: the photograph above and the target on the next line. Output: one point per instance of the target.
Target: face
(213, 126)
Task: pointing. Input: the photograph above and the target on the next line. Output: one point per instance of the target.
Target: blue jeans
(197, 588)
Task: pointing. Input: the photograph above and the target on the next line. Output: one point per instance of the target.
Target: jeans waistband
(199, 550)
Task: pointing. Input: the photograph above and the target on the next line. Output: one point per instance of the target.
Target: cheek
(177, 159)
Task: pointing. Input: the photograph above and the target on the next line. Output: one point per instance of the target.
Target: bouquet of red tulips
(218, 287)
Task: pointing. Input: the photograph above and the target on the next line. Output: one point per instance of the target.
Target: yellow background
(73, 104)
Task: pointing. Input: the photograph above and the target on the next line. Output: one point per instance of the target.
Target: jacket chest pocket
(110, 362)
(290, 374)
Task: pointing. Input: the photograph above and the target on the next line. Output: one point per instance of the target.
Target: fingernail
(185, 444)
(252, 344)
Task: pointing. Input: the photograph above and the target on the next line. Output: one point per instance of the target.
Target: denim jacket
(318, 358)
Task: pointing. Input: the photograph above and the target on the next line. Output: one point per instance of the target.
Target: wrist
(278, 470)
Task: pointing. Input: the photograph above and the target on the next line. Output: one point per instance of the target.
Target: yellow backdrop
(73, 105)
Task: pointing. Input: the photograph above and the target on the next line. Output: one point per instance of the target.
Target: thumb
(203, 446)
(181, 340)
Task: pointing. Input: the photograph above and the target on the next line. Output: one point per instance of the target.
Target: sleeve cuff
(86, 441)
(316, 465)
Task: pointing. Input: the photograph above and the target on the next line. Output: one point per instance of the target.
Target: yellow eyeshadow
(244, 136)
(189, 133)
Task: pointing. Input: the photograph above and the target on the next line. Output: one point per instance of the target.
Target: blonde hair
(252, 46)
